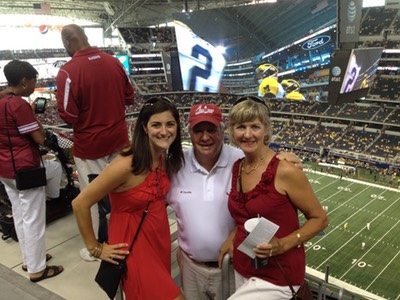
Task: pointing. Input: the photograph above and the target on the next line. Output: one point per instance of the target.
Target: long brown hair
(140, 148)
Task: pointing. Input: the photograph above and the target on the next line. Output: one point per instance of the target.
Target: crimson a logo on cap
(203, 110)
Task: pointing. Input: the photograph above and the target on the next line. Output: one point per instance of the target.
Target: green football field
(368, 258)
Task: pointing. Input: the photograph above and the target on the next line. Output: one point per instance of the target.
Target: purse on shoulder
(26, 178)
(109, 275)
(303, 293)
(30, 178)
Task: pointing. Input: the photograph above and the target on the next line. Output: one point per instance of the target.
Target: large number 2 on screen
(351, 79)
(196, 71)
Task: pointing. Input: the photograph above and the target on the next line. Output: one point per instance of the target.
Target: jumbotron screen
(361, 69)
(201, 64)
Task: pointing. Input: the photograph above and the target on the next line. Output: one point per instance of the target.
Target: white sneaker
(86, 256)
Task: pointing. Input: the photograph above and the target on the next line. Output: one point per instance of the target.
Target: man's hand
(227, 247)
(291, 157)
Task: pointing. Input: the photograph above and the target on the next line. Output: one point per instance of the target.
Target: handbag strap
(285, 275)
(146, 210)
(144, 214)
(9, 140)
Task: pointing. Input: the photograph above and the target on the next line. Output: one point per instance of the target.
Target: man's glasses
(254, 99)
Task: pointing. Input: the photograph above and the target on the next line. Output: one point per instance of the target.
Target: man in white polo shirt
(199, 196)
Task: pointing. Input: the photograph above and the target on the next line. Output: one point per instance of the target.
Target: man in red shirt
(92, 91)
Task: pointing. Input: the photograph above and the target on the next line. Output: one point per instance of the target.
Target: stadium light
(221, 49)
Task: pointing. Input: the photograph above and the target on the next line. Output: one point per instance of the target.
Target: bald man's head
(74, 38)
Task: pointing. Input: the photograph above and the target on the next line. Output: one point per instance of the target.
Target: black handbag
(303, 293)
(27, 178)
(30, 178)
(109, 275)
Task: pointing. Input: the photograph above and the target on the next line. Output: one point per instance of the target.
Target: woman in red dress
(138, 176)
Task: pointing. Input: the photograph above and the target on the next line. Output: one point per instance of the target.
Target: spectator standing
(263, 186)
(199, 198)
(134, 180)
(92, 91)
(19, 126)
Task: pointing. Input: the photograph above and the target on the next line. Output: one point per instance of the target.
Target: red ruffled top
(266, 201)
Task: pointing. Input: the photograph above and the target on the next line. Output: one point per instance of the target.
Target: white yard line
(345, 285)
(394, 257)
(384, 188)
(349, 240)
(370, 249)
(354, 180)
(340, 225)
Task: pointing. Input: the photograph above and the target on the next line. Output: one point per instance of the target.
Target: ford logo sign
(316, 42)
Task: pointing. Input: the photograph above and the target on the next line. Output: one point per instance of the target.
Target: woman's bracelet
(96, 252)
(299, 239)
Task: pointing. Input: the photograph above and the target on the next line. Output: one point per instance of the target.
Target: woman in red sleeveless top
(263, 186)
(137, 177)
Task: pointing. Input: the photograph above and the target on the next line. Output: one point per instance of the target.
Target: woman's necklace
(254, 167)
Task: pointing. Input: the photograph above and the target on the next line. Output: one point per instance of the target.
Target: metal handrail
(225, 276)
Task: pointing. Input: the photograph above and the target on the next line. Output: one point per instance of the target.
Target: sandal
(48, 257)
(56, 270)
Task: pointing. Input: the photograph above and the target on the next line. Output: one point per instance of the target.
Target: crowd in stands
(376, 19)
(292, 125)
(47, 53)
(147, 35)
(387, 175)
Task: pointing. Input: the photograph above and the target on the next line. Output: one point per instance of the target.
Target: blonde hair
(249, 110)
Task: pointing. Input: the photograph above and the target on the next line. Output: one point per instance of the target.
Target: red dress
(149, 263)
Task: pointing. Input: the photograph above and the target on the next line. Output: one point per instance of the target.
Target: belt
(210, 264)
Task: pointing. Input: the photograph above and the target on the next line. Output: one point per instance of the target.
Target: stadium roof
(247, 27)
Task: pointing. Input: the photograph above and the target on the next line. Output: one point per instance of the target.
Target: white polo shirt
(200, 201)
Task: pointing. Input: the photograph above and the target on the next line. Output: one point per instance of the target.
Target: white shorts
(257, 289)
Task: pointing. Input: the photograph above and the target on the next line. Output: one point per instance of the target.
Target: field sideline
(361, 243)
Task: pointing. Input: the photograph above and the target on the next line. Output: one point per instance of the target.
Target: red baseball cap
(205, 113)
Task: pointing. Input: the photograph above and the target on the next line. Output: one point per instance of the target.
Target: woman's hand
(272, 248)
(112, 253)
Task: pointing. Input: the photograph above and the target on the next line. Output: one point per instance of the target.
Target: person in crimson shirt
(20, 135)
(92, 91)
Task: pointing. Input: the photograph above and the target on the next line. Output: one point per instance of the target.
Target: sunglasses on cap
(254, 99)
